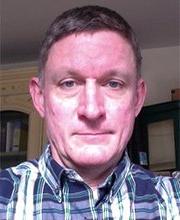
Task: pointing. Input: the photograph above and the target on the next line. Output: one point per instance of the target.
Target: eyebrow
(105, 75)
(64, 73)
(116, 73)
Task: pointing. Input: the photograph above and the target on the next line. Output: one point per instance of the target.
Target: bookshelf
(13, 137)
(22, 133)
(155, 142)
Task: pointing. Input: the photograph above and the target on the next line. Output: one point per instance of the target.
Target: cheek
(121, 116)
(59, 112)
(120, 109)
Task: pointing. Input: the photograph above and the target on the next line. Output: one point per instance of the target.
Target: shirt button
(57, 191)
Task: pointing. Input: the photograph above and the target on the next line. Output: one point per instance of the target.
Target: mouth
(93, 137)
(90, 133)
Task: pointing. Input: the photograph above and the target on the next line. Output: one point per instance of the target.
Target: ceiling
(24, 22)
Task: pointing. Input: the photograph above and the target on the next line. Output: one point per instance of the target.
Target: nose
(91, 105)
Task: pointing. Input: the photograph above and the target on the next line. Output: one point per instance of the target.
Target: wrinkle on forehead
(95, 52)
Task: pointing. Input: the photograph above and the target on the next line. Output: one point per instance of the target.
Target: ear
(37, 95)
(140, 95)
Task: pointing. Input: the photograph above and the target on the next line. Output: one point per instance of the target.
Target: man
(89, 92)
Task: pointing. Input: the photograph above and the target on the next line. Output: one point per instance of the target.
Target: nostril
(91, 112)
(91, 101)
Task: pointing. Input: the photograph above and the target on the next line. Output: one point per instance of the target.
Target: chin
(92, 154)
(91, 160)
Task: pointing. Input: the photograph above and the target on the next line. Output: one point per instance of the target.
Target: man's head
(88, 19)
(91, 93)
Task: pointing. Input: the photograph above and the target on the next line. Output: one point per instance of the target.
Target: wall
(161, 71)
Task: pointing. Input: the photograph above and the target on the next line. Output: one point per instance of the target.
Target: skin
(89, 100)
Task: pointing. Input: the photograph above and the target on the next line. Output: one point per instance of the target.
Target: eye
(67, 84)
(114, 84)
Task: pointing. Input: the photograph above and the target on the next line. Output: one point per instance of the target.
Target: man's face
(90, 98)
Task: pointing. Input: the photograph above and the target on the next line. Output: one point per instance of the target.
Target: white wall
(161, 71)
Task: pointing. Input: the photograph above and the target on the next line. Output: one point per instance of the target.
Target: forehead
(91, 51)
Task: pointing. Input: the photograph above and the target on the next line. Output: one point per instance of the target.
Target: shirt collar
(121, 173)
(50, 169)
(53, 172)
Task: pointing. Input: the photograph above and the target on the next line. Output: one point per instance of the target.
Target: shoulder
(167, 187)
(10, 178)
(6, 183)
(141, 175)
(160, 192)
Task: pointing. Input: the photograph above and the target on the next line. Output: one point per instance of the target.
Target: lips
(89, 137)
(92, 133)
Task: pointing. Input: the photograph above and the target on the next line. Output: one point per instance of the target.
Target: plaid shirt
(42, 189)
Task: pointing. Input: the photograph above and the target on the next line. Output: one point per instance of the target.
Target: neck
(92, 175)
(95, 176)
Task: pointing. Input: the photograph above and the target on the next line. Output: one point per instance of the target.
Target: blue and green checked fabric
(42, 189)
